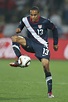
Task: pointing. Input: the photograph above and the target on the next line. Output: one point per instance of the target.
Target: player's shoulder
(45, 20)
(25, 17)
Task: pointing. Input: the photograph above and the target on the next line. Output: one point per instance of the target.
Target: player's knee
(14, 38)
(21, 40)
(45, 62)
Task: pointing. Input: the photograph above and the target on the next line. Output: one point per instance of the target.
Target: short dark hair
(35, 8)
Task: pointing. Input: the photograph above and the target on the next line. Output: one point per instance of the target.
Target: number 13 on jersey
(40, 31)
(45, 51)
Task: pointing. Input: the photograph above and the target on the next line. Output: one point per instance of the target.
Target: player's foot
(15, 64)
(50, 95)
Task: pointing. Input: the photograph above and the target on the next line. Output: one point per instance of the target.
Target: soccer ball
(24, 61)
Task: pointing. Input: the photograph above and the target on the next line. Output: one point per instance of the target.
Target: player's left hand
(55, 47)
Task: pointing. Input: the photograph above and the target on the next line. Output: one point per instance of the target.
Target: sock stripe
(16, 47)
(48, 78)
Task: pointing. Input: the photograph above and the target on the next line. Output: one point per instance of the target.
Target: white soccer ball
(24, 60)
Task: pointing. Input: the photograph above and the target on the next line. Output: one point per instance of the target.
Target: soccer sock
(49, 81)
(16, 48)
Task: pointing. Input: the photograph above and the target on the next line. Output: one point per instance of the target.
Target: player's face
(34, 15)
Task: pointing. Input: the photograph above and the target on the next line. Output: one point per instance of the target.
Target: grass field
(28, 84)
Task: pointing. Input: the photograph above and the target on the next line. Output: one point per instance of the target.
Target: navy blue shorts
(40, 50)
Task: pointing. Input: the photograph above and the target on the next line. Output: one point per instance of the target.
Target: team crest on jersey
(39, 26)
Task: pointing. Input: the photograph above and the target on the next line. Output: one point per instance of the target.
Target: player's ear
(39, 13)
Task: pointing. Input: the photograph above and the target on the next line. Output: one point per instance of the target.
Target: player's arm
(52, 27)
(20, 27)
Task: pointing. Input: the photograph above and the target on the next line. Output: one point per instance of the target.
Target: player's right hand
(18, 30)
(55, 47)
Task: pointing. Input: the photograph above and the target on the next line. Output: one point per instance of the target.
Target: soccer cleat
(15, 64)
(50, 95)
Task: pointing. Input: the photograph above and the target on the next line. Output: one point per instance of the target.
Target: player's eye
(33, 14)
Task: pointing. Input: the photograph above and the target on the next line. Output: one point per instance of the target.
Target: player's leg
(16, 42)
(48, 76)
(26, 45)
(43, 54)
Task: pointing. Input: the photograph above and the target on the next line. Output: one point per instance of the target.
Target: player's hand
(55, 47)
(18, 30)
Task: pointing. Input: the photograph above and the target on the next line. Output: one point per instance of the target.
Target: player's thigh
(41, 52)
(29, 46)
(19, 39)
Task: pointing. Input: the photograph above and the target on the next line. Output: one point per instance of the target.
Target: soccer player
(36, 42)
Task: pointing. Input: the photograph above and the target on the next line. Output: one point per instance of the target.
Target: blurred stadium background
(11, 12)
(28, 85)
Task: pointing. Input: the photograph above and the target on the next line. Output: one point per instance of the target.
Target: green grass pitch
(29, 85)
